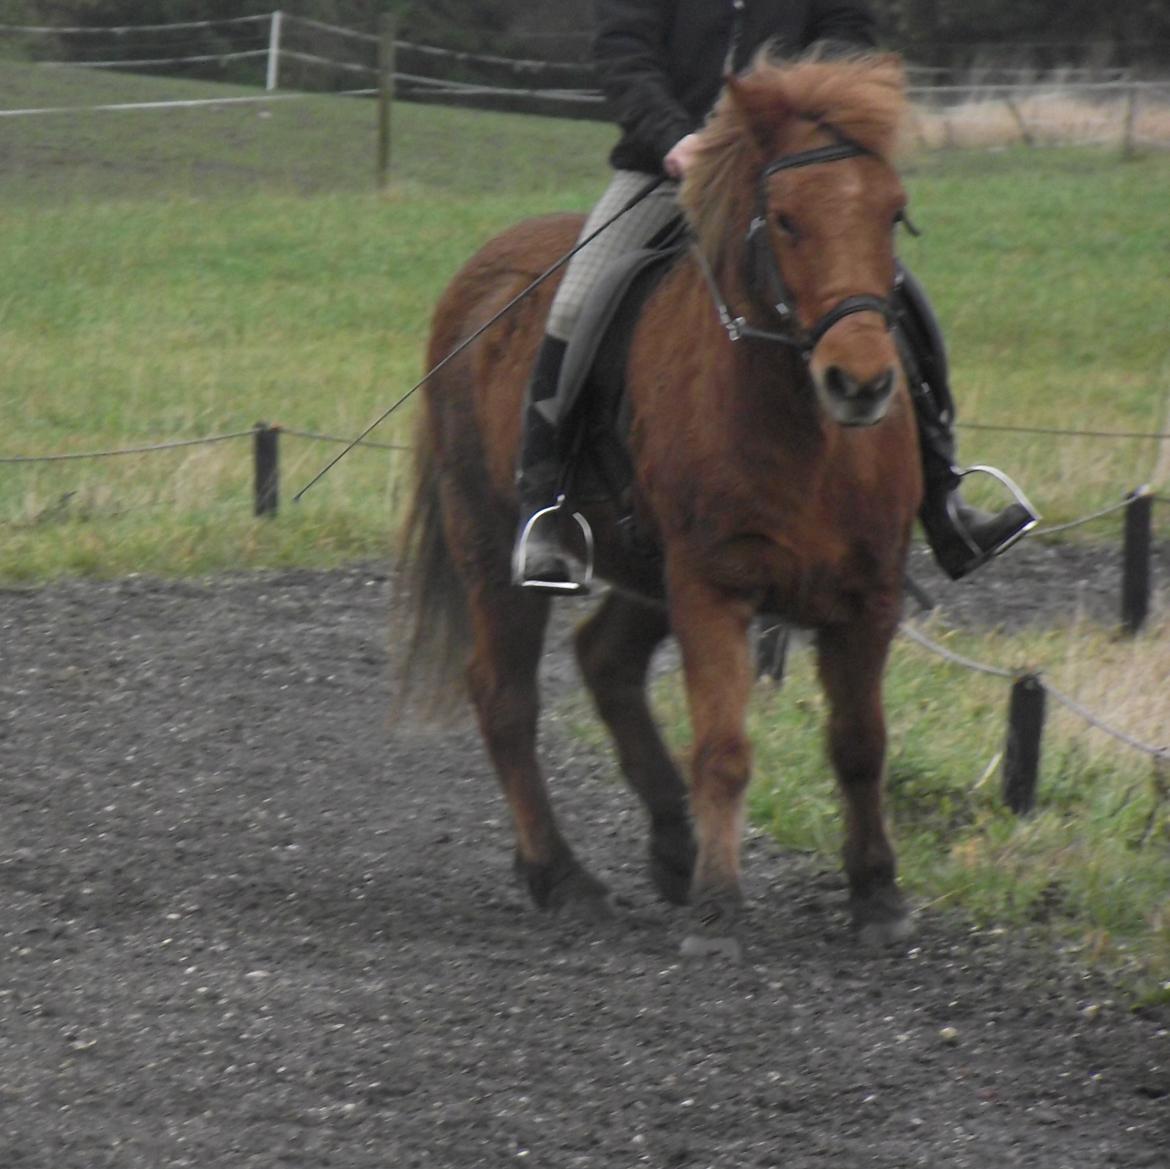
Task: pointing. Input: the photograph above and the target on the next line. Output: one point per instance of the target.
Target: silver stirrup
(520, 554)
(1017, 493)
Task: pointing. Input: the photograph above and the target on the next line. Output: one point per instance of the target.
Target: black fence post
(266, 457)
(772, 652)
(1021, 756)
(1135, 566)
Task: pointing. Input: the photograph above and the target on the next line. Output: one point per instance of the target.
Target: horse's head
(800, 154)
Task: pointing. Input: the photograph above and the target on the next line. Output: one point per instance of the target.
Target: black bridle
(763, 268)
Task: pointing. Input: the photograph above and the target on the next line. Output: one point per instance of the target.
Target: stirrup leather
(581, 584)
(1013, 489)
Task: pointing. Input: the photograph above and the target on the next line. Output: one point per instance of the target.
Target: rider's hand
(680, 156)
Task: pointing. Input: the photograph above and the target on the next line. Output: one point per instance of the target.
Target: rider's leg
(539, 558)
(539, 471)
(961, 537)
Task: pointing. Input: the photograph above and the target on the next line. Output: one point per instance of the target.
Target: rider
(661, 64)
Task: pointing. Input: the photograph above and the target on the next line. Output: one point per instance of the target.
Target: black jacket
(661, 62)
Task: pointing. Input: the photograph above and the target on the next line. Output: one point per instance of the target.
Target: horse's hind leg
(851, 661)
(614, 648)
(508, 629)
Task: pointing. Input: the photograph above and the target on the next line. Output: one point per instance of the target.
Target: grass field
(174, 275)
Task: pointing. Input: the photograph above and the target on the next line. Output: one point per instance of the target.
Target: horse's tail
(431, 605)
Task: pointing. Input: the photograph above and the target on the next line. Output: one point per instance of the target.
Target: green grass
(1045, 268)
(173, 275)
(306, 146)
(1089, 867)
(178, 274)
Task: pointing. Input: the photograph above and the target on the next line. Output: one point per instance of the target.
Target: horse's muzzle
(852, 402)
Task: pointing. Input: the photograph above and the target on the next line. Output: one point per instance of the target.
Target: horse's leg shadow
(614, 648)
(508, 626)
(851, 660)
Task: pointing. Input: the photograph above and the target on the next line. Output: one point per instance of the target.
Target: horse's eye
(902, 218)
(786, 224)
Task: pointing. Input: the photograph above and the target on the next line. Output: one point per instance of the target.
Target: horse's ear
(892, 63)
(760, 109)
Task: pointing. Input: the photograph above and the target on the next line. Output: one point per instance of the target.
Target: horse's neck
(762, 389)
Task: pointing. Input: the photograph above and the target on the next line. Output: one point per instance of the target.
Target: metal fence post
(266, 458)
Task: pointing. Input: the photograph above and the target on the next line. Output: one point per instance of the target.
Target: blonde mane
(862, 96)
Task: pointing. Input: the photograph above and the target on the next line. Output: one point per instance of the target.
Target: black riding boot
(538, 561)
(961, 537)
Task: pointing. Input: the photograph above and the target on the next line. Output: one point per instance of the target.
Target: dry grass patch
(1044, 118)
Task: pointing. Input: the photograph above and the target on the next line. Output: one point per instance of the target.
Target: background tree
(1043, 33)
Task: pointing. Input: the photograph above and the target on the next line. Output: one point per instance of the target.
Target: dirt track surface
(246, 919)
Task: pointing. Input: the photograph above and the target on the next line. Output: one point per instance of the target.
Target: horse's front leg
(712, 628)
(852, 660)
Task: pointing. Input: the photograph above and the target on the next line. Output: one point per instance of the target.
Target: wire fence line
(1141, 116)
(949, 655)
(1121, 505)
(267, 477)
(1161, 753)
(961, 425)
(1064, 432)
(124, 29)
(367, 442)
(134, 450)
(183, 103)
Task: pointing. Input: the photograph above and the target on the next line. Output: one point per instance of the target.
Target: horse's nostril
(839, 383)
(881, 385)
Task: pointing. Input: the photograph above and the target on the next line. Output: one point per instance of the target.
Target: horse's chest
(810, 574)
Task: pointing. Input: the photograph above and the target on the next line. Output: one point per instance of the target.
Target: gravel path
(249, 917)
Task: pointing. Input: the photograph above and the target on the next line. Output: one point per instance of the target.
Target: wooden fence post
(389, 27)
(1135, 568)
(1021, 125)
(1129, 121)
(272, 80)
(1021, 756)
(266, 460)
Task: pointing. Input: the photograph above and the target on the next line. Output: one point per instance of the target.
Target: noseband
(763, 268)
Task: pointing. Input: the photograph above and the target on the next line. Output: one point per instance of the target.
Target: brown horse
(776, 466)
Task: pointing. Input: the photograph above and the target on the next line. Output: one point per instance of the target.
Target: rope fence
(1029, 691)
(1027, 708)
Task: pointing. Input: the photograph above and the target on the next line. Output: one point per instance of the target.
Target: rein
(764, 267)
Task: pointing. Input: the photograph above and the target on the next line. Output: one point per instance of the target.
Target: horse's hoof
(882, 920)
(703, 946)
(715, 918)
(570, 890)
(883, 935)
